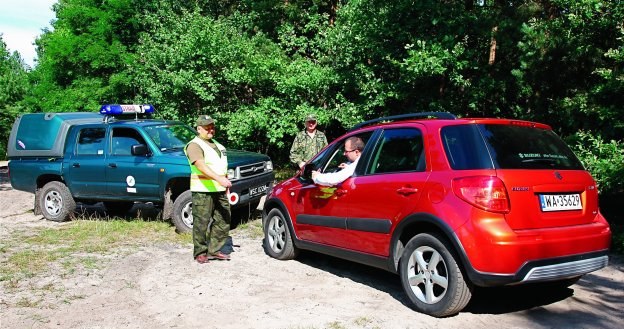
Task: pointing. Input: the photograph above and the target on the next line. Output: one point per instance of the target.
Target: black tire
(56, 202)
(182, 216)
(431, 277)
(278, 242)
(118, 208)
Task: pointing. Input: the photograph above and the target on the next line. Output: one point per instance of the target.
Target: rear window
(507, 147)
(465, 148)
(37, 133)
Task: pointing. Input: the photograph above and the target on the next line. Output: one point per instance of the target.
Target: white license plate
(258, 190)
(558, 202)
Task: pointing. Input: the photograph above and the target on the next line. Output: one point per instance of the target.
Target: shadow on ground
(530, 300)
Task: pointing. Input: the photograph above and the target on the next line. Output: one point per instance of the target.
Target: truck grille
(251, 170)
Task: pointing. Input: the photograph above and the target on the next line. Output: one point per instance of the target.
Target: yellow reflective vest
(218, 164)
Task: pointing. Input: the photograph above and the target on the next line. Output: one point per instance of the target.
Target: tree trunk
(492, 58)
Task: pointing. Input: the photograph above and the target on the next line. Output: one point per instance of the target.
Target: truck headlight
(232, 174)
(268, 166)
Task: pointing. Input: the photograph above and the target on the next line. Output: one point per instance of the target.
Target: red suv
(448, 204)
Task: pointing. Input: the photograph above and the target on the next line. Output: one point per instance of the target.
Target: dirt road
(161, 287)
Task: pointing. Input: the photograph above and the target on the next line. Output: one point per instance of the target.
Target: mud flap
(167, 210)
(36, 209)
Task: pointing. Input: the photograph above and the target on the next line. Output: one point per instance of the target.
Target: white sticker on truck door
(130, 181)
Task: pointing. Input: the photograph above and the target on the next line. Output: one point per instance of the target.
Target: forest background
(259, 66)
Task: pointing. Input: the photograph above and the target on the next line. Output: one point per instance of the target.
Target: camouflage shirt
(305, 147)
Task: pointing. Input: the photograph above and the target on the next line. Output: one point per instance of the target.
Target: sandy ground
(162, 287)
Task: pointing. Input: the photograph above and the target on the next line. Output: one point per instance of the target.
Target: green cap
(310, 117)
(204, 120)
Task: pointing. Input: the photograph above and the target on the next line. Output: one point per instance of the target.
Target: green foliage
(605, 160)
(83, 61)
(258, 66)
(193, 64)
(569, 67)
(13, 87)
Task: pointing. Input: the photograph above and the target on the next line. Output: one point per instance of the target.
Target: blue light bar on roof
(116, 109)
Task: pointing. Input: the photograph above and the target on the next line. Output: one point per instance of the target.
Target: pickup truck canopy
(44, 134)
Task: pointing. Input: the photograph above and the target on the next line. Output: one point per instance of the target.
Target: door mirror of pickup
(140, 149)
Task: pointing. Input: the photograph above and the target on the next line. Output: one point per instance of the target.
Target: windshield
(172, 136)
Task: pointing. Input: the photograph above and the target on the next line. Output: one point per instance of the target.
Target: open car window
(330, 160)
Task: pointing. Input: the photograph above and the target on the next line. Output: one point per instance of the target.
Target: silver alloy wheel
(427, 275)
(53, 203)
(276, 234)
(187, 214)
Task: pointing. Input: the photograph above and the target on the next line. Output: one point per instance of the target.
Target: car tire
(183, 212)
(278, 241)
(431, 277)
(56, 202)
(118, 208)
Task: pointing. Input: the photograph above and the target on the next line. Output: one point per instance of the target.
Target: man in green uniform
(209, 186)
(307, 142)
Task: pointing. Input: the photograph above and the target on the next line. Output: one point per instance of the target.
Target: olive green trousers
(211, 222)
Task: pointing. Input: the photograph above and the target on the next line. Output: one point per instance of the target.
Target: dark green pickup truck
(66, 158)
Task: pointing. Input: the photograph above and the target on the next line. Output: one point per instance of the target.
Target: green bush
(605, 161)
(617, 240)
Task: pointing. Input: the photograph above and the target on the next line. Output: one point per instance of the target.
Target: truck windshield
(170, 136)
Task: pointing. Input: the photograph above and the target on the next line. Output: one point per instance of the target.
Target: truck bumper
(252, 189)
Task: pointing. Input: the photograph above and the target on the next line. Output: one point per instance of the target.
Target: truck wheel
(56, 202)
(118, 208)
(431, 277)
(183, 212)
(278, 242)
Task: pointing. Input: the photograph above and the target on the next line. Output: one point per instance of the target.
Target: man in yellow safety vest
(209, 186)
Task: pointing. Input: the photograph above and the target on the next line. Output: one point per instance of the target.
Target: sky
(21, 21)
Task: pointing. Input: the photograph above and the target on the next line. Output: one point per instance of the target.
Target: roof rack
(408, 116)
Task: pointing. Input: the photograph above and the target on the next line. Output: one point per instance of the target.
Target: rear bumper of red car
(496, 255)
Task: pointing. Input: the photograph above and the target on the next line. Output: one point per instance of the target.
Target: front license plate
(559, 202)
(258, 190)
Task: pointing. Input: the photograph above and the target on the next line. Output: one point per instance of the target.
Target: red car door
(322, 213)
(389, 189)
(359, 213)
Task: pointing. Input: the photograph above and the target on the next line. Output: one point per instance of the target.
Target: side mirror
(140, 149)
(306, 173)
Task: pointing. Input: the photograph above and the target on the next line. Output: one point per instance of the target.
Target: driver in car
(352, 150)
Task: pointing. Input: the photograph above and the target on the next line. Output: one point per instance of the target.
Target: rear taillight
(485, 192)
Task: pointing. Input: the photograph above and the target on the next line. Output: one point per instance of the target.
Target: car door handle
(340, 192)
(76, 165)
(112, 165)
(407, 190)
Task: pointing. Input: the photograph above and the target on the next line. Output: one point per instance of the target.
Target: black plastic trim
(325, 221)
(415, 219)
(358, 257)
(355, 224)
(369, 225)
